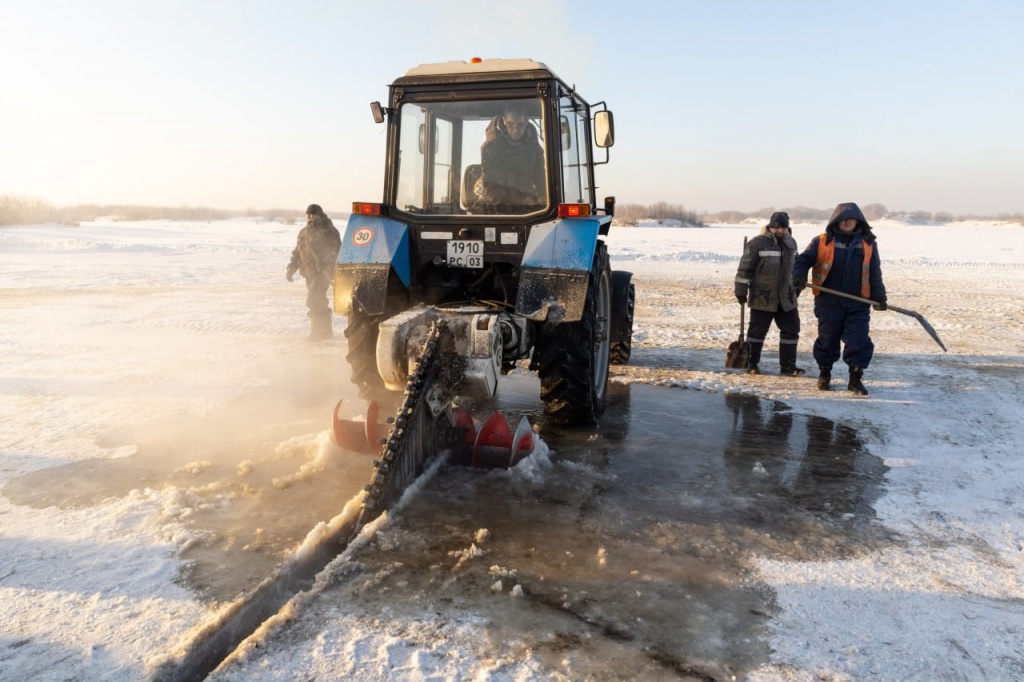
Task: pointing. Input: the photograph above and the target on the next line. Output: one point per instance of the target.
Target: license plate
(465, 253)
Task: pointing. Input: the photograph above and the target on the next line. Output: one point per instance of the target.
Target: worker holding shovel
(845, 270)
(765, 280)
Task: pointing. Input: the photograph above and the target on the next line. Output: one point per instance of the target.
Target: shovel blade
(738, 356)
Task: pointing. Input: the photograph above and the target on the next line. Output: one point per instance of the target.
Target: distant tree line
(32, 211)
(630, 214)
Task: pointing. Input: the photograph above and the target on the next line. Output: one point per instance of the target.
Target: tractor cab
(486, 140)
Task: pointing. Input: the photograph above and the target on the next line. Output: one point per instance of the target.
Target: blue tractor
(490, 225)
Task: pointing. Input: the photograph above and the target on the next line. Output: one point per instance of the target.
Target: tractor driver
(512, 162)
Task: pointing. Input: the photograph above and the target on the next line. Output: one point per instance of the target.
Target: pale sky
(718, 105)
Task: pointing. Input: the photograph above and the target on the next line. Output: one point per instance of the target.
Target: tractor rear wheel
(623, 303)
(573, 367)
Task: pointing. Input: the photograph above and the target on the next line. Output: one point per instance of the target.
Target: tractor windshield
(472, 157)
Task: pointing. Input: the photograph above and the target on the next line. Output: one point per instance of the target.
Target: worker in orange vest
(845, 258)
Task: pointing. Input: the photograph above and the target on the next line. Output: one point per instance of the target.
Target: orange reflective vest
(826, 252)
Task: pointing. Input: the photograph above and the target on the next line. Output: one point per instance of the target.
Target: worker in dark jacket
(314, 257)
(765, 279)
(845, 258)
(512, 163)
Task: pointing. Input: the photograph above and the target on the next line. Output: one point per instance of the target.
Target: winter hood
(850, 211)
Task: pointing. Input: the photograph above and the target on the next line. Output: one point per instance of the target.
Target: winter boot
(856, 387)
(787, 359)
(753, 369)
(824, 378)
(320, 329)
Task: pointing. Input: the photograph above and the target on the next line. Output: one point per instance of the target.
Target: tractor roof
(484, 70)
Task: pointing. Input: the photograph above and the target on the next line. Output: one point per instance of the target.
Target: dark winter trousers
(319, 310)
(788, 322)
(849, 325)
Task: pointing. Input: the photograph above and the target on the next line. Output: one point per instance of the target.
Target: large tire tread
(621, 350)
(361, 333)
(566, 364)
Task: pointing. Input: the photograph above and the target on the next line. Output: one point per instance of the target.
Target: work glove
(880, 305)
(289, 274)
(799, 284)
(741, 298)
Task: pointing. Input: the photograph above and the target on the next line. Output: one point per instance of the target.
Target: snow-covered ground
(116, 334)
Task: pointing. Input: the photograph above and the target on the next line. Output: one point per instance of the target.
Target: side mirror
(604, 129)
(378, 112)
(609, 206)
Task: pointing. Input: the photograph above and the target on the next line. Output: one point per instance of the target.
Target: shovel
(903, 311)
(738, 356)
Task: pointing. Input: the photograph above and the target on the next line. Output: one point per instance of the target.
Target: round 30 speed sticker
(362, 236)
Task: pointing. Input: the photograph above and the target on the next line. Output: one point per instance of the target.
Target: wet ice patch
(899, 462)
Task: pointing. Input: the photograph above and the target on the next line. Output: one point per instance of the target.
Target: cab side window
(572, 122)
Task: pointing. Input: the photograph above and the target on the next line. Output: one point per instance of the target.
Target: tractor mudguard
(556, 267)
(370, 249)
(622, 316)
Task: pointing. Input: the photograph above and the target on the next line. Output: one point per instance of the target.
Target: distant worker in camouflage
(764, 278)
(314, 257)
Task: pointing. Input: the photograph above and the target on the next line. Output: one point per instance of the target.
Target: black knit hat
(314, 209)
(779, 219)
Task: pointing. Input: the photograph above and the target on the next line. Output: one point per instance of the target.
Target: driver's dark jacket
(512, 170)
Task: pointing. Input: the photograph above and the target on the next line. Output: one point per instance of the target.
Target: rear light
(573, 210)
(360, 208)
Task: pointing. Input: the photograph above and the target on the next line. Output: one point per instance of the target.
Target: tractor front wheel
(361, 333)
